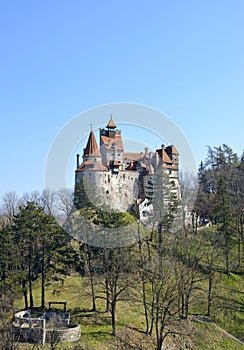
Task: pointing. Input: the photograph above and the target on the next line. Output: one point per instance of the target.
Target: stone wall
(70, 333)
(104, 188)
(40, 330)
(30, 330)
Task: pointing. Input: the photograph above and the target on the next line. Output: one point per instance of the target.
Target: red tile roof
(118, 139)
(171, 149)
(131, 156)
(89, 164)
(92, 147)
(111, 124)
(164, 156)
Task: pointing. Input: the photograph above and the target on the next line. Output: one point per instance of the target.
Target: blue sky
(59, 58)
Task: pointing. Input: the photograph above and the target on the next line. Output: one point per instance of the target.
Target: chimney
(156, 159)
(146, 151)
(77, 160)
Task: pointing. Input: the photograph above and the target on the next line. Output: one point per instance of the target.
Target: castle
(118, 179)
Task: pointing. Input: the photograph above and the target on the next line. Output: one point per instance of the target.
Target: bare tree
(86, 266)
(212, 257)
(65, 201)
(189, 188)
(117, 280)
(48, 201)
(186, 256)
(34, 196)
(9, 205)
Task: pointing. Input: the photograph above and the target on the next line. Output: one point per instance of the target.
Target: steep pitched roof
(171, 149)
(164, 156)
(111, 124)
(92, 147)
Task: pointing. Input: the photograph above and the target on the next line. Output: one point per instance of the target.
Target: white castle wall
(116, 191)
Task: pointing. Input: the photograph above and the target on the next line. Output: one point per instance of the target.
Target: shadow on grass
(136, 329)
(98, 333)
(88, 318)
(83, 312)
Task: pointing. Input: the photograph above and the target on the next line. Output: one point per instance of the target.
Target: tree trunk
(93, 293)
(43, 278)
(182, 304)
(30, 277)
(227, 255)
(113, 313)
(239, 251)
(91, 280)
(160, 250)
(143, 282)
(145, 305)
(25, 294)
(152, 309)
(210, 285)
(107, 294)
(31, 294)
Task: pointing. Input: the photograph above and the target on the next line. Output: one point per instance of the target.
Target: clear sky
(59, 58)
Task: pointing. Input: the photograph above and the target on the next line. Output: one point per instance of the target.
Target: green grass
(96, 332)
(208, 337)
(96, 326)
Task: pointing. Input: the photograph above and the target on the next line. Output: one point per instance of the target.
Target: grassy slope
(96, 327)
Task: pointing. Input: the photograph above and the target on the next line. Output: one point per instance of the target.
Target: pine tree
(40, 242)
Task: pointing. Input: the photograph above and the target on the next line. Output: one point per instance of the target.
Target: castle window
(109, 179)
(107, 192)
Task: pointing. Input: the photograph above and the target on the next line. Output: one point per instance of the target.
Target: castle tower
(92, 159)
(111, 145)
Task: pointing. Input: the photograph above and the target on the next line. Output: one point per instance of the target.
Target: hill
(96, 332)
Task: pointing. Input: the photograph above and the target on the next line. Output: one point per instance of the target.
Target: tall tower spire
(91, 149)
(111, 124)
